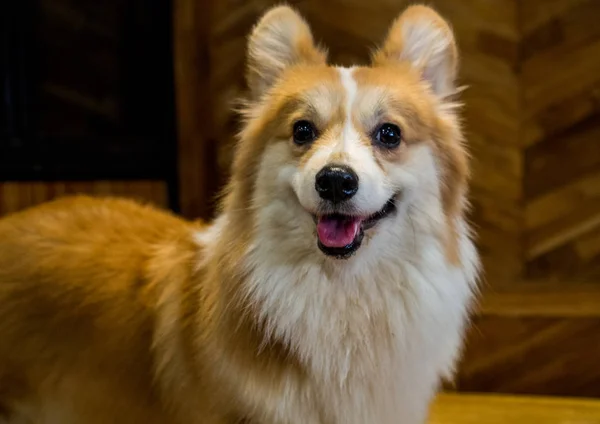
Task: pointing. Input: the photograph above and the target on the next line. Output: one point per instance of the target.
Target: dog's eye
(304, 132)
(388, 135)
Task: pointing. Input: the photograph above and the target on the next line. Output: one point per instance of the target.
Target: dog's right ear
(421, 37)
(280, 39)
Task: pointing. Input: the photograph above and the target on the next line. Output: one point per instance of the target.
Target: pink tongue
(336, 232)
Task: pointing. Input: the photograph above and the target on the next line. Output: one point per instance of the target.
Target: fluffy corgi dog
(333, 288)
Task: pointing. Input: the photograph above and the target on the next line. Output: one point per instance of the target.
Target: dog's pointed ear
(280, 39)
(421, 37)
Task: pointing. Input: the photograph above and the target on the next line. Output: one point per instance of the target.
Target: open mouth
(341, 235)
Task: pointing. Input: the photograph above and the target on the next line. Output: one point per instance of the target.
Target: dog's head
(332, 159)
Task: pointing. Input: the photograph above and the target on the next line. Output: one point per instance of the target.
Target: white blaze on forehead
(373, 191)
(349, 133)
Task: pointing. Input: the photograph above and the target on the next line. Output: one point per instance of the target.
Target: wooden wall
(15, 196)
(488, 35)
(531, 109)
(199, 178)
(532, 113)
(560, 83)
(538, 339)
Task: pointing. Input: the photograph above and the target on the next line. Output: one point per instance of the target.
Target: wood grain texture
(561, 108)
(534, 338)
(15, 196)
(532, 355)
(490, 409)
(198, 174)
(532, 115)
(564, 299)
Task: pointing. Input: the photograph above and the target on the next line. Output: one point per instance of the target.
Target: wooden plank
(494, 409)
(492, 87)
(497, 169)
(573, 28)
(563, 299)
(496, 16)
(588, 247)
(538, 13)
(533, 337)
(15, 196)
(563, 231)
(501, 254)
(197, 153)
(489, 210)
(364, 23)
(563, 202)
(559, 117)
(532, 355)
(556, 75)
(562, 87)
(563, 159)
(561, 127)
(574, 257)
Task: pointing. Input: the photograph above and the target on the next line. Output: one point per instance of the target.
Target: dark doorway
(87, 91)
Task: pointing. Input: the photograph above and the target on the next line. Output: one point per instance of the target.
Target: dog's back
(77, 309)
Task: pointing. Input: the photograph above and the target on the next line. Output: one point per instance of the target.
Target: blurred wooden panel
(562, 159)
(568, 298)
(564, 201)
(577, 254)
(491, 409)
(561, 106)
(536, 339)
(566, 64)
(537, 13)
(15, 196)
(197, 149)
(529, 355)
(560, 69)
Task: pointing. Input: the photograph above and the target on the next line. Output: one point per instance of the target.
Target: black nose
(336, 183)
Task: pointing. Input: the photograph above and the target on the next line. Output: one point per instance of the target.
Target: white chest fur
(376, 339)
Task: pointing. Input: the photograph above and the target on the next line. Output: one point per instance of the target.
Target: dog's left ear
(421, 37)
(280, 39)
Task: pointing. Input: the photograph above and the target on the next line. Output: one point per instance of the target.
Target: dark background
(87, 92)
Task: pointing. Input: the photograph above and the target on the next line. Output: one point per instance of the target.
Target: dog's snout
(336, 183)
